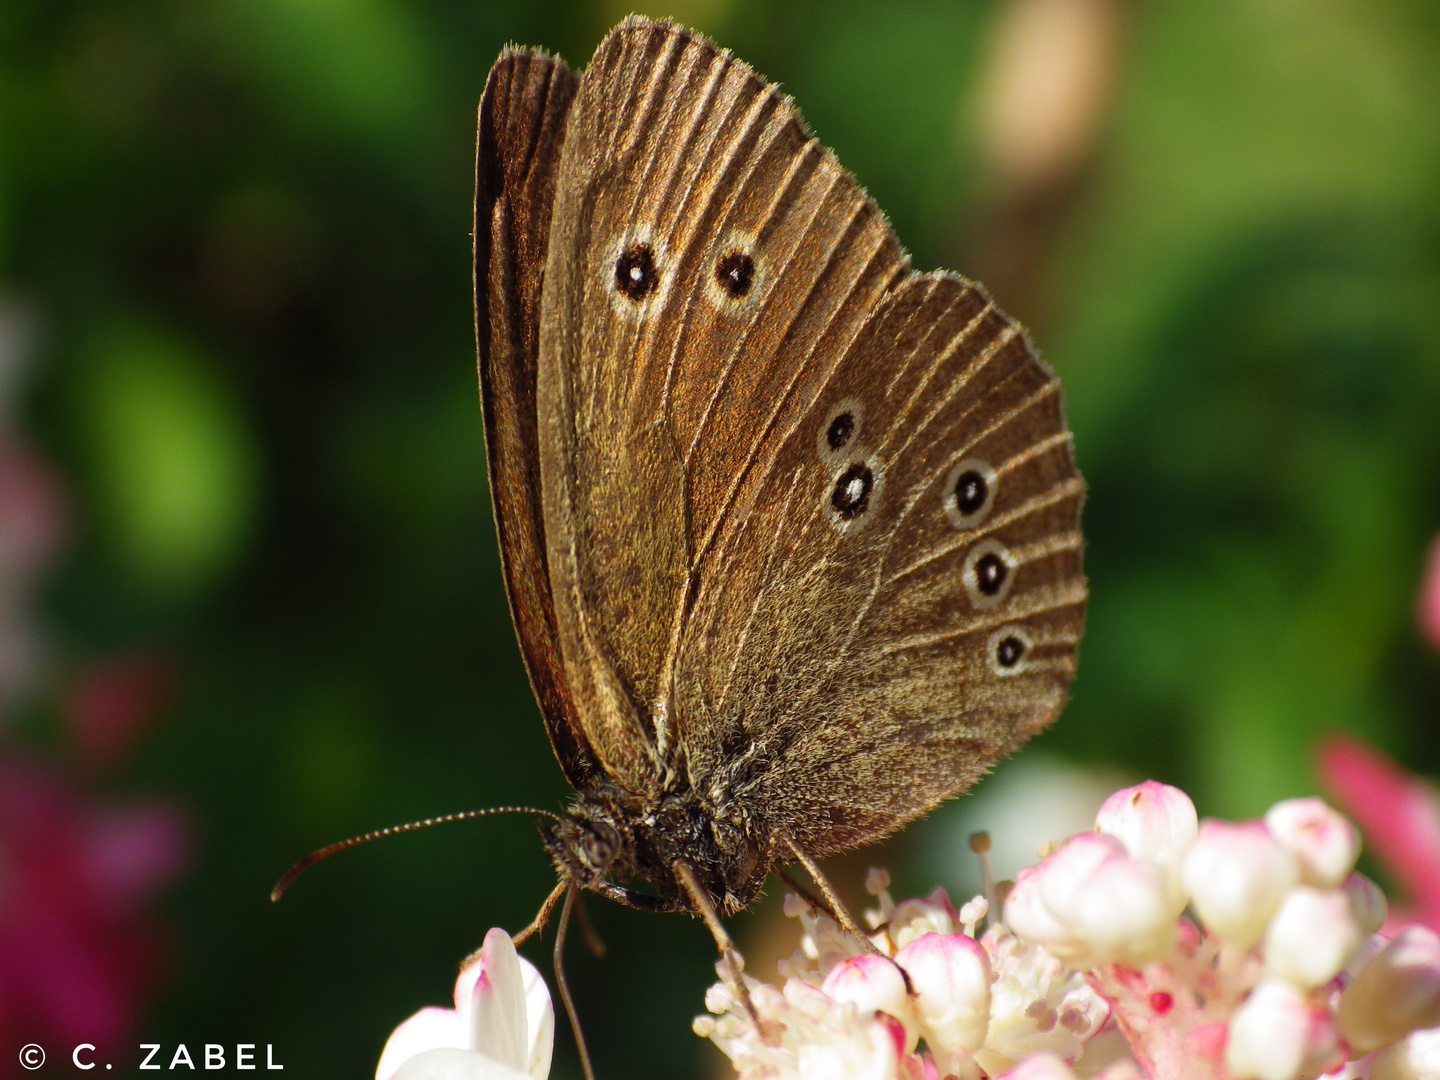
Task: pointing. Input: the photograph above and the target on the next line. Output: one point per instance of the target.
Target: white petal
(428, 1029)
(496, 1001)
(539, 1021)
(456, 1065)
(1040, 1067)
(1416, 1058)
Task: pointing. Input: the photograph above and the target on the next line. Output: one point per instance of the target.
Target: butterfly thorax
(609, 836)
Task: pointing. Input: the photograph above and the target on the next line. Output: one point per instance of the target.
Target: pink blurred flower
(32, 523)
(1399, 815)
(75, 949)
(1427, 609)
(111, 704)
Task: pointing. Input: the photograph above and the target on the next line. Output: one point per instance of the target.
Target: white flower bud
(873, 984)
(912, 919)
(1126, 911)
(1312, 936)
(1155, 822)
(950, 974)
(1324, 840)
(1415, 1058)
(864, 1052)
(1027, 916)
(1366, 901)
(1397, 992)
(1277, 1035)
(1090, 903)
(1236, 874)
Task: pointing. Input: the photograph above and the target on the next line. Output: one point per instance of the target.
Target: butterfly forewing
(521, 123)
(804, 524)
(677, 393)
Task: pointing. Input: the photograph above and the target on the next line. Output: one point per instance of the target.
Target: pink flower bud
(1236, 874)
(1415, 1058)
(1277, 1035)
(950, 974)
(1324, 840)
(1154, 821)
(873, 984)
(1397, 992)
(1040, 1067)
(1312, 936)
(1366, 901)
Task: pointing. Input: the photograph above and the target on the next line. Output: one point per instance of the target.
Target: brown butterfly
(790, 532)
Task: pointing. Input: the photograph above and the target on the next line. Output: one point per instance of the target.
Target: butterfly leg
(833, 905)
(587, 928)
(685, 875)
(542, 917)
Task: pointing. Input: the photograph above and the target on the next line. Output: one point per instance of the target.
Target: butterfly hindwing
(844, 661)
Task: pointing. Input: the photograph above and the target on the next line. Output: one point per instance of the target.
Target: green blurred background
(234, 236)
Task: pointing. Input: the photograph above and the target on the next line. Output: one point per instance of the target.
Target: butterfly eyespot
(735, 273)
(1008, 650)
(636, 276)
(839, 432)
(852, 491)
(969, 493)
(854, 486)
(989, 572)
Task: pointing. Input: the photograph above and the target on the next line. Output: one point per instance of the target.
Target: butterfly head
(587, 846)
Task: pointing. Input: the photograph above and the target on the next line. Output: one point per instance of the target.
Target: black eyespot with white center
(636, 275)
(989, 572)
(735, 273)
(1008, 651)
(969, 493)
(851, 495)
(838, 434)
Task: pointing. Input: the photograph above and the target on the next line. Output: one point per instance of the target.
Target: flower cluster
(1216, 950)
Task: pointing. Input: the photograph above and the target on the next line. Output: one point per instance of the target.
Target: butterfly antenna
(288, 878)
(571, 892)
